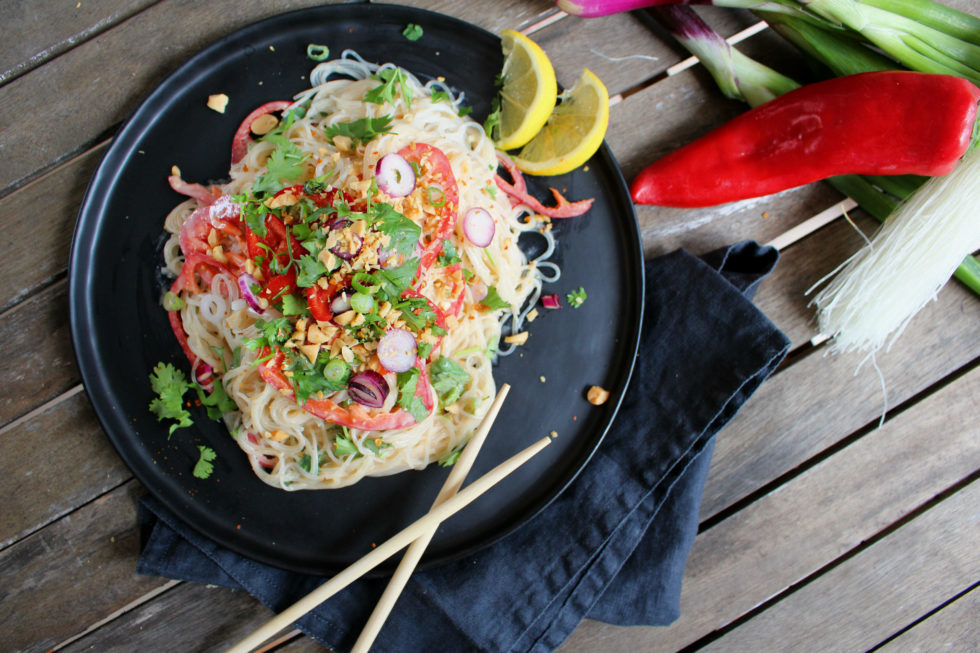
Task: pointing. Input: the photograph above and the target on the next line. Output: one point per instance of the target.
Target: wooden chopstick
(414, 553)
(397, 542)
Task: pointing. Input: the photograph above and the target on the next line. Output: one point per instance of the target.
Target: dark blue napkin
(611, 547)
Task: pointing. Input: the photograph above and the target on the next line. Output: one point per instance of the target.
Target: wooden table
(819, 530)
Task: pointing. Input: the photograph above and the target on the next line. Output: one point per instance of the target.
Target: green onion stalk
(843, 53)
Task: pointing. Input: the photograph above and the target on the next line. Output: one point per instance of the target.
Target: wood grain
(39, 363)
(73, 573)
(955, 627)
(56, 462)
(812, 520)
(47, 28)
(879, 591)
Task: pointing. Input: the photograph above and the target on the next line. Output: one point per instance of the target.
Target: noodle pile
(287, 445)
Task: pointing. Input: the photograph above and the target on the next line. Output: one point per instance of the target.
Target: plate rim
(93, 208)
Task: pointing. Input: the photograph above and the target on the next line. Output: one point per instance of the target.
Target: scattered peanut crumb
(517, 338)
(175, 171)
(272, 48)
(765, 214)
(542, 379)
(597, 395)
(553, 434)
(532, 315)
(218, 102)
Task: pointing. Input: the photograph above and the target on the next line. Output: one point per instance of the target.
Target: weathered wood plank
(55, 197)
(131, 59)
(814, 519)
(956, 627)
(56, 462)
(189, 617)
(818, 401)
(73, 573)
(870, 596)
(47, 28)
(36, 349)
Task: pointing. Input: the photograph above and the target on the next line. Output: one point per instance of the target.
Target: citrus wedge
(572, 134)
(529, 90)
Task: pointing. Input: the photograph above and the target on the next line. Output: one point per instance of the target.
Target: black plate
(120, 331)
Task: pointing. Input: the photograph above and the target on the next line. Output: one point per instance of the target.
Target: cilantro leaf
(407, 384)
(376, 445)
(577, 297)
(344, 446)
(218, 402)
(493, 301)
(293, 305)
(440, 95)
(450, 459)
(204, 468)
(403, 232)
(286, 163)
(492, 123)
(361, 130)
(390, 78)
(170, 384)
(310, 269)
(412, 32)
(449, 254)
(395, 281)
(448, 380)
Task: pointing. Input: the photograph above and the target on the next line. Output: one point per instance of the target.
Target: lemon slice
(573, 133)
(529, 90)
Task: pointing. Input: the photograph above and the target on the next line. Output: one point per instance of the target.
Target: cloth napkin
(613, 545)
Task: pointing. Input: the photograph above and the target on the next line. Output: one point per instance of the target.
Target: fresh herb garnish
(493, 301)
(310, 269)
(218, 402)
(448, 380)
(449, 254)
(390, 78)
(440, 95)
(577, 297)
(343, 445)
(493, 119)
(286, 163)
(407, 384)
(361, 130)
(403, 232)
(450, 459)
(293, 305)
(412, 32)
(204, 468)
(170, 384)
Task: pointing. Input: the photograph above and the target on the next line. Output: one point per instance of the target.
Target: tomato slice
(355, 415)
(318, 300)
(194, 264)
(239, 142)
(279, 286)
(438, 183)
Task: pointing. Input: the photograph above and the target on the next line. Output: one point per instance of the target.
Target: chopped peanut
(597, 395)
(517, 338)
(218, 102)
(264, 124)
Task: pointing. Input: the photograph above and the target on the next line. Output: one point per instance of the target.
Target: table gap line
(132, 605)
(37, 410)
(914, 513)
(939, 608)
(53, 51)
(724, 513)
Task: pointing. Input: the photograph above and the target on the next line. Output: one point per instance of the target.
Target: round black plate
(120, 331)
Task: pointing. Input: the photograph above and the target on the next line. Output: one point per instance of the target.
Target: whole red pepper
(877, 123)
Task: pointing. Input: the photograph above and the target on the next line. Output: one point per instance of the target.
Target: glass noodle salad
(348, 286)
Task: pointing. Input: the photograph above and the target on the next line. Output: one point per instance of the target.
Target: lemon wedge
(528, 93)
(573, 132)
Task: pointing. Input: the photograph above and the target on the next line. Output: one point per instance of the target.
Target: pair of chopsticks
(416, 537)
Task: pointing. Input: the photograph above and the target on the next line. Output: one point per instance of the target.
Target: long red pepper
(878, 123)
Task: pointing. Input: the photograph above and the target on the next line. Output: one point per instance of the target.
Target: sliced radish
(395, 175)
(397, 350)
(478, 226)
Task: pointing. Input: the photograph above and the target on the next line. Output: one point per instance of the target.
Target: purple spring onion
(341, 249)
(595, 8)
(478, 226)
(551, 301)
(397, 350)
(245, 284)
(341, 301)
(395, 175)
(368, 388)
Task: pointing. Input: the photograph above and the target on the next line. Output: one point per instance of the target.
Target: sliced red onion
(395, 175)
(551, 301)
(478, 226)
(205, 377)
(368, 388)
(340, 249)
(341, 301)
(245, 284)
(397, 350)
